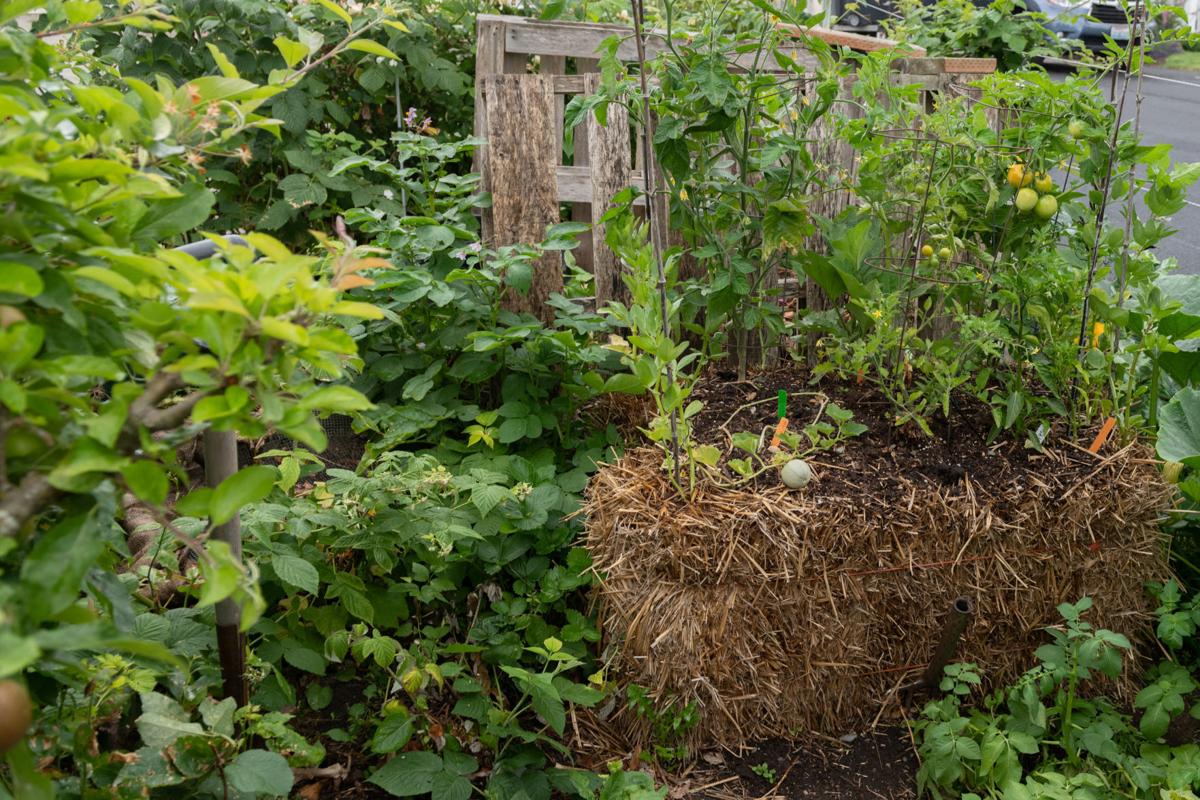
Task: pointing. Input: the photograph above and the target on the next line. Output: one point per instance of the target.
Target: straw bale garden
(607, 399)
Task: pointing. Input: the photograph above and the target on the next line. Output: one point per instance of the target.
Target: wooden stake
(220, 461)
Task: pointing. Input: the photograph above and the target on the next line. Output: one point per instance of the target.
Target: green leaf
(1179, 429)
(485, 498)
(16, 653)
(223, 63)
(393, 733)
(408, 774)
(547, 702)
(245, 486)
(372, 48)
(170, 218)
(20, 279)
(19, 344)
(448, 786)
(260, 772)
(148, 481)
(335, 398)
(297, 572)
(338, 10)
(163, 721)
(293, 52)
(53, 571)
(302, 190)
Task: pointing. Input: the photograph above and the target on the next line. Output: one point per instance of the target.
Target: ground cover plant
(419, 622)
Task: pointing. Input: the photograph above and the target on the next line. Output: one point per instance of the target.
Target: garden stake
(656, 235)
(1105, 191)
(961, 611)
(221, 461)
(782, 403)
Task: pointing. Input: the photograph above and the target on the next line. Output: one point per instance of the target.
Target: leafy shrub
(419, 58)
(1050, 735)
(1003, 30)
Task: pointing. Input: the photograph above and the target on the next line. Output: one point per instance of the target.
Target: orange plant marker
(779, 429)
(1102, 436)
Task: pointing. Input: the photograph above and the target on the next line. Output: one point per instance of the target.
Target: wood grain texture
(580, 212)
(521, 166)
(489, 60)
(609, 154)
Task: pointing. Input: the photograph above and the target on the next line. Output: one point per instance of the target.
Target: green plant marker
(782, 403)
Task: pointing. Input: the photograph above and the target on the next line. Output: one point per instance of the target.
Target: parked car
(1084, 21)
(1087, 22)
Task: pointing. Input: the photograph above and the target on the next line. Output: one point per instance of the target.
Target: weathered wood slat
(521, 163)
(489, 60)
(575, 184)
(567, 39)
(580, 212)
(609, 154)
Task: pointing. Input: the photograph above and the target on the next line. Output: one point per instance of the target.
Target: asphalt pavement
(1171, 114)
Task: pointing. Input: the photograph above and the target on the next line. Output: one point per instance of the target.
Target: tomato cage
(931, 254)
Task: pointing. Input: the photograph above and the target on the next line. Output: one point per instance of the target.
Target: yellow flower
(683, 195)
(1097, 332)
(877, 314)
(794, 114)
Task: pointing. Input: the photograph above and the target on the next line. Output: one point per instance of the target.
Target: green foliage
(1051, 735)
(670, 721)
(994, 307)
(739, 173)
(1003, 30)
(764, 771)
(408, 67)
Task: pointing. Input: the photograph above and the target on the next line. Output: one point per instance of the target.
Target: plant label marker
(1102, 436)
(782, 403)
(779, 429)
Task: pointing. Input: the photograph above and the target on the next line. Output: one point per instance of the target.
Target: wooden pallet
(519, 110)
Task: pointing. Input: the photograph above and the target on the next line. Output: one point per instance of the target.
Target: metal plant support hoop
(911, 266)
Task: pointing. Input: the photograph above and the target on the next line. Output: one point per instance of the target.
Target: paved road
(1171, 114)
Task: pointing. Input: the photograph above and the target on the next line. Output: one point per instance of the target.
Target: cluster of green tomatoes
(1033, 191)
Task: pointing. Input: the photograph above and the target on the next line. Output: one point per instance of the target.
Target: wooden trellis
(519, 110)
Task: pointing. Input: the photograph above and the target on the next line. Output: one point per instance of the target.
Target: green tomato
(1026, 200)
(1047, 206)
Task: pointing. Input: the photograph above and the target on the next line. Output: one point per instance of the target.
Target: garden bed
(782, 613)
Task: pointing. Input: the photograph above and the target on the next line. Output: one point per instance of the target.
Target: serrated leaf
(297, 572)
(408, 774)
(260, 772)
(486, 498)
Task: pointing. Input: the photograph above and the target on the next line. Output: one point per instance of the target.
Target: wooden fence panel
(609, 155)
(532, 177)
(520, 174)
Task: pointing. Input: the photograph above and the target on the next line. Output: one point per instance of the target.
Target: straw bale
(781, 613)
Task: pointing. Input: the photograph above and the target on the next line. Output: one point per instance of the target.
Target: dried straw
(781, 613)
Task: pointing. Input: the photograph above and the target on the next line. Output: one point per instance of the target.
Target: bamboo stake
(652, 199)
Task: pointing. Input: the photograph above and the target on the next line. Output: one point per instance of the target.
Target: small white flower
(387, 193)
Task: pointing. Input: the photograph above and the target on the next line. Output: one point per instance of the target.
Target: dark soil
(873, 461)
(878, 765)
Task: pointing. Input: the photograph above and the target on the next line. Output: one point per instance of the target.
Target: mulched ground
(874, 766)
